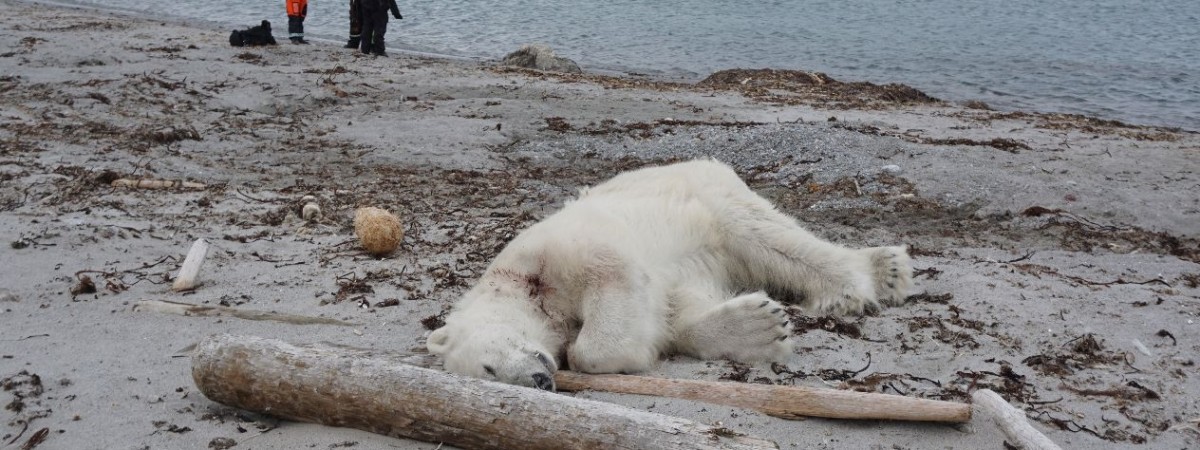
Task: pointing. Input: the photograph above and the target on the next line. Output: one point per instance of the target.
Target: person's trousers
(295, 27)
(374, 28)
(355, 20)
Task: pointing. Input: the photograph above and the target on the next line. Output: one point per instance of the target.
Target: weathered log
(1011, 421)
(384, 395)
(156, 184)
(186, 280)
(788, 402)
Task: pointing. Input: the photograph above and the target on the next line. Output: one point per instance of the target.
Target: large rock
(540, 57)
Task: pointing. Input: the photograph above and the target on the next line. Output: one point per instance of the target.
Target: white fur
(664, 259)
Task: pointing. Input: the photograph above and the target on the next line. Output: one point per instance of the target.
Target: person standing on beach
(355, 25)
(296, 11)
(374, 21)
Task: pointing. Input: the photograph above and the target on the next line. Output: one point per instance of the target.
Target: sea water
(1136, 61)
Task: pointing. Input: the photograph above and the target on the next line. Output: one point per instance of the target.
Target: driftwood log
(386, 395)
(1011, 421)
(788, 402)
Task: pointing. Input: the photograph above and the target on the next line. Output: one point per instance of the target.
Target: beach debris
(1011, 421)
(156, 184)
(1080, 353)
(435, 321)
(186, 280)
(540, 57)
(85, 285)
(38, 437)
(1006, 144)
(8, 296)
(1161, 333)
(26, 406)
(420, 397)
(772, 85)
(311, 211)
(890, 169)
(786, 402)
(222, 443)
(379, 231)
(187, 309)
(803, 323)
(1142, 348)
(977, 104)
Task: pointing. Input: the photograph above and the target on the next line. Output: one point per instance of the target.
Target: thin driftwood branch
(385, 395)
(788, 402)
(187, 309)
(190, 270)
(1011, 421)
(156, 184)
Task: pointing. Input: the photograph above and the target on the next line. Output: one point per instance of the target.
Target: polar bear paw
(747, 328)
(892, 271)
(866, 280)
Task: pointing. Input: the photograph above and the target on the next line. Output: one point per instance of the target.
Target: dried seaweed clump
(1083, 352)
(760, 84)
(378, 230)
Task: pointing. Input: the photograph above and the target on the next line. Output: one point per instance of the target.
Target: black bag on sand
(259, 35)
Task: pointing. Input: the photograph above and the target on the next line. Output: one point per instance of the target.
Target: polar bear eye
(545, 360)
(489, 370)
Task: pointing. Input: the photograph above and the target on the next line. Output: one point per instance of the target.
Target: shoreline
(1058, 257)
(631, 73)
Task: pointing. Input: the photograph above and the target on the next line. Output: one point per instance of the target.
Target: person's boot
(379, 50)
(298, 41)
(353, 42)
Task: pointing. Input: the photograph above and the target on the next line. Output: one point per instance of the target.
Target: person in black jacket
(374, 21)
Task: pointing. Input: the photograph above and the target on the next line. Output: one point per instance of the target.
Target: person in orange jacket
(296, 11)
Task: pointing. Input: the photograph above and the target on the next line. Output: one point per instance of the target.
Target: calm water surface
(1137, 61)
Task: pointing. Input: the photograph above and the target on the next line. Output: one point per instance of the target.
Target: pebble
(6, 296)
(891, 169)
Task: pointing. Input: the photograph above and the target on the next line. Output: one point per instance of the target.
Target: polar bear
(670, 259)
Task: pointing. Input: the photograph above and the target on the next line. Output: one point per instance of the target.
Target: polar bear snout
(525, 368)
(543, 381)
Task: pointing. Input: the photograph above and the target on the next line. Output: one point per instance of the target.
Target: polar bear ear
(439, 340)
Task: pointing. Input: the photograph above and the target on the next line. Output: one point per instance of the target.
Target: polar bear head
(497, 351)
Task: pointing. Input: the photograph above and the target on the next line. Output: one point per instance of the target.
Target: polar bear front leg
(776, 252)
(622, 331)
(746, 328)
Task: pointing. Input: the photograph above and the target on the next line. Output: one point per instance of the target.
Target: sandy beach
(1057, 256)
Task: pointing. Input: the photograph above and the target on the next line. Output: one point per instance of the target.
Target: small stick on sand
(187, 309)
(787, 402)
(1011, 421)
(186, 280)
(156, 184)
